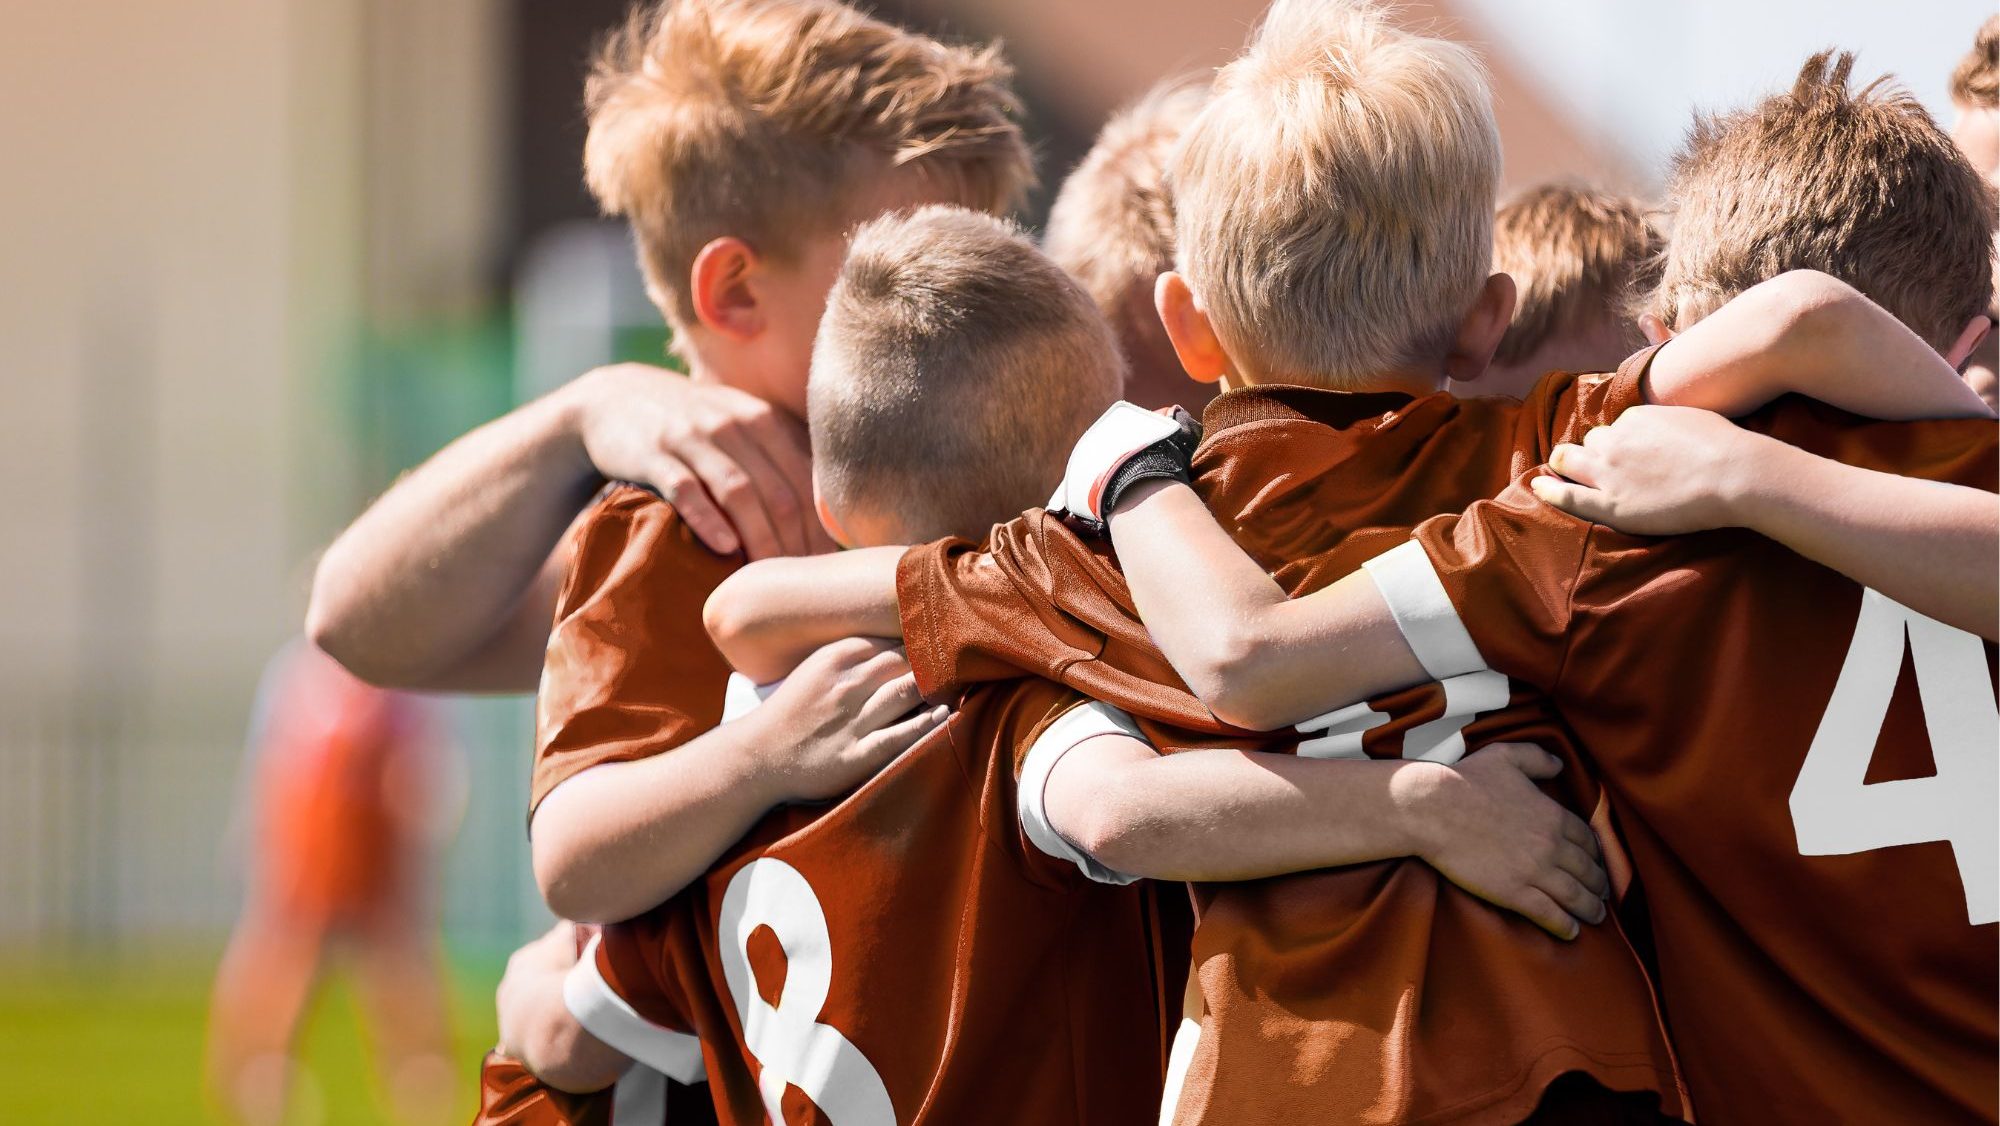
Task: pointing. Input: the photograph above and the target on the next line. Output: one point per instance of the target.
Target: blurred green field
(101, 1047)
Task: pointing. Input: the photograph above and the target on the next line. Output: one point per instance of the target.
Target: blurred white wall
(201, 201)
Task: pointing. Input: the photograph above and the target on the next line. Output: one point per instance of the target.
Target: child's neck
(1414, 382)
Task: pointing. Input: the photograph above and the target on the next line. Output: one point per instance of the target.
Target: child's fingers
(893, 699)
(898, 737)
(1573, 859)
(1581, 464)
(1534, 905)
(676, 482)
(1578, 500)
(1569, 893)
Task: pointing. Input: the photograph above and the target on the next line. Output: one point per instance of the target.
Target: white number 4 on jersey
(1836, 813)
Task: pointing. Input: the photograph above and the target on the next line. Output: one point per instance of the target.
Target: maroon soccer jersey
(1804, 770)
(1373, 993)
(908, 954)
(630, 671)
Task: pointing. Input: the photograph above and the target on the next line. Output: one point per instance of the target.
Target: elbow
(1230, 677)
(739, 632)
(727, 618)
(337, 624)
(332, 618)
(1115, 829)
(563, 875)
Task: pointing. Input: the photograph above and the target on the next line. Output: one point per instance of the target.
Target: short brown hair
(761, 118)
(954, 369)
(1976, 81)
(1112, 223)
(1335, 199)
(1578, 256)
(1863, 186)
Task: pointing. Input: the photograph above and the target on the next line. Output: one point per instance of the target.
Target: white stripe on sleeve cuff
(1085, 721)
(607, 1016)
(1423, 611)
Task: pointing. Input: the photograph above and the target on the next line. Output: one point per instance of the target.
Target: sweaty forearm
(1237, 815)
(617, 839)
(1931, 546)
(440, 565)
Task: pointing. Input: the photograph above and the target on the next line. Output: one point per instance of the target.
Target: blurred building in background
(262, 255)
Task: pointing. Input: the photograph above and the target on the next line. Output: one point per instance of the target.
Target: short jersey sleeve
(1501, 576)
(630, 671)
(1036, 600)
(510, 1095)
(1085, 720)
(1564, 406)
(616, 992)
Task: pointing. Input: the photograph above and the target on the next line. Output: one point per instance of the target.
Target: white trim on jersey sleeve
(1085, 721)
(741, 695)
(610, 1018)
(1423, 611)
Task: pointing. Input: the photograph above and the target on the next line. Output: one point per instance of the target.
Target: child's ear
(827, 520)
(1188, 330)
(723, 283)
(1480, 332)
(1969, 337)
(1654, 329)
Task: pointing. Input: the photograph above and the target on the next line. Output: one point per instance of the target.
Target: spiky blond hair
(1335, 199)
(764, 119)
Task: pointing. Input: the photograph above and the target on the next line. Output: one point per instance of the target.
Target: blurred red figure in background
(345, 823)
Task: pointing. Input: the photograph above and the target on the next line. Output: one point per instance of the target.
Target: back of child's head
(1861, 185)
(1335, 199)
(954, 369)
(772, 120)
(1112, 228)
(1578, 257)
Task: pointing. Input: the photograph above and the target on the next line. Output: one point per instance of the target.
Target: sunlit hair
(1578, 256)
(1976, 81)
(1861, 185)
(1335, 198)
(954, 369)
(765, 119)
(1112, 223)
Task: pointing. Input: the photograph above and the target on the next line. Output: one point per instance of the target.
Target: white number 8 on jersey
(790, 1044)
(1835, 812)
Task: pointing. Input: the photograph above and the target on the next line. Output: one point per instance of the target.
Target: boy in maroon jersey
(1320, 999)
(1801, 766)
(709, 121)
(934, 936)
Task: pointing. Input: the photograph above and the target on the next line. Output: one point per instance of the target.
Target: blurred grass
(103, 1047)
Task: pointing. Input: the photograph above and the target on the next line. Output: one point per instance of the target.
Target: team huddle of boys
(1328, 759)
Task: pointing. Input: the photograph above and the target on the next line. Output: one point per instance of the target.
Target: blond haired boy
(1811, 824)
(1112, 228)
(1320, 999)
(923, 913)
(1325, 277)
(743, 140)
(1578, 257)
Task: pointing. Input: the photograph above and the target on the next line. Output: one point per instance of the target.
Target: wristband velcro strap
(1126, 445)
